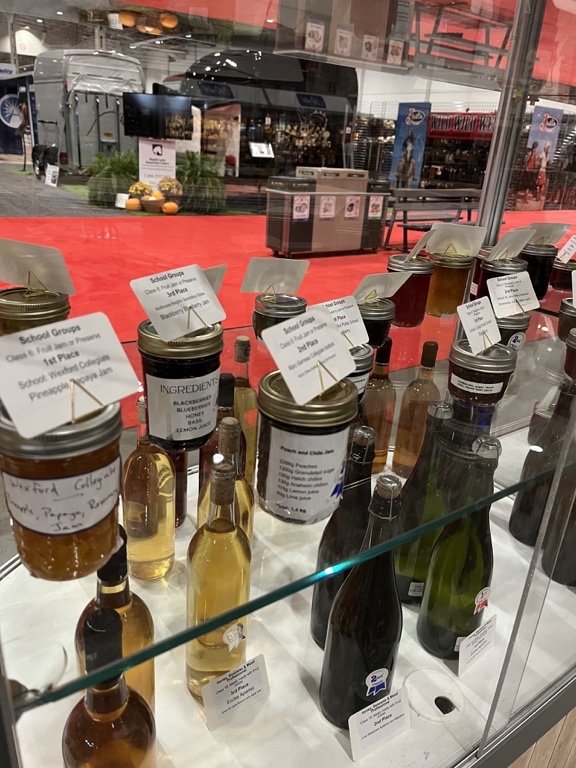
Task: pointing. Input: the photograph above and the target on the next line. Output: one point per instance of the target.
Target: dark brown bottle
(379, 404)
(345, 531)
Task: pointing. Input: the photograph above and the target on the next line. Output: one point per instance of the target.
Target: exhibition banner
(409, 144)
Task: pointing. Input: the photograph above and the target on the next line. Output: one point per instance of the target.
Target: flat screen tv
(157, 116)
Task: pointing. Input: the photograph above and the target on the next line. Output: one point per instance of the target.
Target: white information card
(380, 286)
(512, 294)
(568, 250)
(347, 318)
(273, 275)
(378, 723)
(237, 690)
(34, 265)
(476, 645)
(479, 323)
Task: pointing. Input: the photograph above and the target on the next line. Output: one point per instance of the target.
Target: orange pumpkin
(168, 20)
(170, 208)
(127, 18)
(146, 197)
(133, 204)
(157, 196)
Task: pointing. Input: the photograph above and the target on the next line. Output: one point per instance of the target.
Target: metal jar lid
(337, 406)
(281, 305)
(518, 322)
(550, 251)
(401, 263)
(364, 359)
(382, 309)
(203, 343)
(496, 359)
(507, 267)
(24, 304)
(567, 307)
(452, 262)
(567, 266)
(84, 436)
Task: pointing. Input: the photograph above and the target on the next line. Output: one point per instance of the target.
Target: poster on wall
(538, 158)
(10, 118)
(157, 158)
(409, 144)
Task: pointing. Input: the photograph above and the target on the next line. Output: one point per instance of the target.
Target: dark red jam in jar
(490, 269)
(473, 293)
(181, 380)
(378, 316)
(272, 308)
(479, 379)
(513, 330)
(561, 279)
(410, 300)
(540, 259)
(566, 318)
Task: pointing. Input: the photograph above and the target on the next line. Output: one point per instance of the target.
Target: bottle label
(376, 681)
(481, 600)
(64, 505)
(182, 409)
(473, 289)
(360, 382)
(416, 589)
(305, 474)
(477, 387)
(234, 635)
(516, 341)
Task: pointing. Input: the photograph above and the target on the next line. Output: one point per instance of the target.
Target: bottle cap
(363, 448)
(429, 352)
(141, 409)
(222, 480)
(116, 568)
(388, 487)
(486, 447)
(226, 391)
(242, 349)
(440, 410)
(102, 638)
(229, 431)
(383, 352)
(496, 359)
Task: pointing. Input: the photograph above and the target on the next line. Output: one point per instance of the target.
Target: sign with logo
(409, 144)
(544, 130)
(157, 158)
(461, 125)
(7, 70)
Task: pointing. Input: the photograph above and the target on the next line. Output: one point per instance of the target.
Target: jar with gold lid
(540, 260)
(448, 284)
(410, 299)
(561, 279)
(24, 308)
(272, 308)
(377, 316)
(497, 268)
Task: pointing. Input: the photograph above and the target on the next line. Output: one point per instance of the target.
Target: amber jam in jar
(566, 318)
(479, 379)
(23, 308)
(513, 330)
(378, 316)
(561, 279)
(540, 260)
(410, 300)
(181, 380)
(272, 308)
(302, 449)
(448, 284)
(62, 491)
(490, 269)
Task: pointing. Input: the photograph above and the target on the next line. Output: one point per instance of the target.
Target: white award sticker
(215, 276)
(374, 725)
(301, 208)
(545, 233)
(61, 371)
(375, 206)
(347, 318)
(510, 244)
(37, 265)
(352, 207)
(512, 294)
(479, 323)
(476, 645)
(343, 42)
(327, 207)
(178, 301)
(567, 251)
(235, 691)
(380, 286)
(265, 275)
(311, 354)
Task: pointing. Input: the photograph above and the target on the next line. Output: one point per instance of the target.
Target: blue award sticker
(376, 682)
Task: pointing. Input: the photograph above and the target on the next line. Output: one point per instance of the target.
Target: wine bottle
(343, 535)
(148, 502)
(225, 408)
(218, 580)
(179, 461)
(379, 404)
(365, 622)
(423, 500)
(558, 559)
(112, 725)
(458, 581)
(229, 434)
(245, 405)
(113, 591)
(412, 420)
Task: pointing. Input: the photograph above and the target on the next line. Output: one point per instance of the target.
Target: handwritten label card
(215, 276)
(376, 724)
(476, 645)
(479, 323)
(512, 294)
(39, 364)
(545, 233)
(567, 251)
(346, 315)
(380, 286)
(311, 354)
(178, 301)
(277, 275)
(21, 263)
(510, 244)
(235, 691)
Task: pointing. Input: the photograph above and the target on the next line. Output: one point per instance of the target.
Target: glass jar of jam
(62, 491)
(448, 284)
(540, 260)
(302, 449)
(513, 330)
(479, 379)
(378, 316)
(566, 318)
(473, 293)
(364, 359)
(181, 379)
(561, 279)
(490, 269)
(272, 308)
(410, 300)
(23, 308)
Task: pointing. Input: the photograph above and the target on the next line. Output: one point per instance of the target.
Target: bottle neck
(565, 397)
(223, 411)
(381, 370)
(425, 373)
(380, 529)
(106, 700)
(241, 371)
(479, 417)
(113, 594)
(142, 432)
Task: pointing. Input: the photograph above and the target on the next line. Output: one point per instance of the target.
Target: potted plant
(111, 174)
(203, 189)
(171, 189)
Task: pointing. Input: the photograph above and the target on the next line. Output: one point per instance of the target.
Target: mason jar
(271, 309)
(561, 279)
(479, 379)
(22, 308)
(513, 330)
(449, 280)
(410, 299)
(377, 316)
(566, 318)
(490, 269)
(540, 260)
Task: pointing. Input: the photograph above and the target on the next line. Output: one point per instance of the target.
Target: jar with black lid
(181, 379)
(378, 316)
(364, 360)
(566, 318)
(272, 308)
(479, 379)
(62, 490)
(513, 330)
(302, 449)
(540, 260)
(498, 268)
(23, 308)
(561, 279)
(410, 299)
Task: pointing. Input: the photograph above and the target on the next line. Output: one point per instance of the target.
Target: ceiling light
(26, 27)
(188, 35)
(59, 13)
(40, 21)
